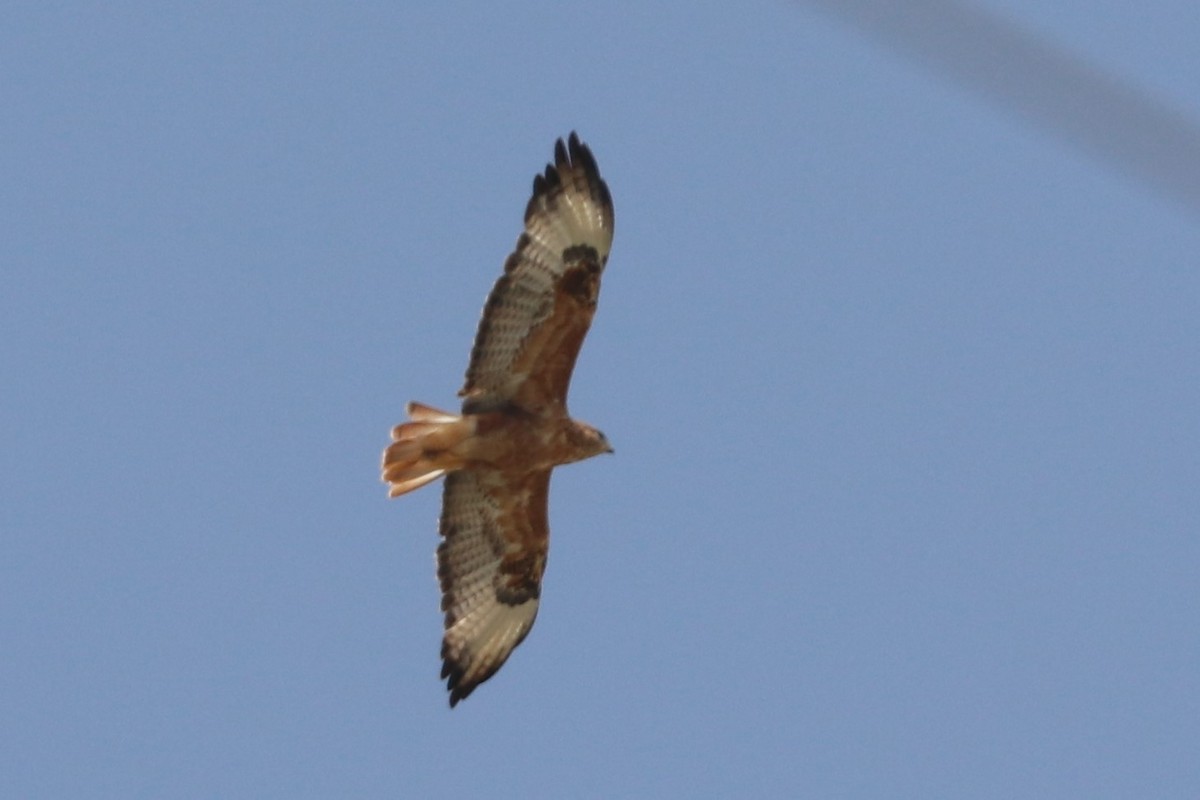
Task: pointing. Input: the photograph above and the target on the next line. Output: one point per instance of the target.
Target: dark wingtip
(452, 673)
(571, 154)
(458, 690)
(548, 181)
(581, 154)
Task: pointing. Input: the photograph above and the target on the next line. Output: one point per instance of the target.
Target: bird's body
(511, 441)
(514, 428)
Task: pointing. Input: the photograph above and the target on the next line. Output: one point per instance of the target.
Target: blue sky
(902, 379)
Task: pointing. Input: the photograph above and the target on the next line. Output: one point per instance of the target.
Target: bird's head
(588, 441)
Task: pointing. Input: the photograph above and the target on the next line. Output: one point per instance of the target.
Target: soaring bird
(514, 429)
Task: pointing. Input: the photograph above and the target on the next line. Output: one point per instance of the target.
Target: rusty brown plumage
(498, 454)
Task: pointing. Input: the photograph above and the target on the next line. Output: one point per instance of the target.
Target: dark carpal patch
(582, 279)
(519, 579)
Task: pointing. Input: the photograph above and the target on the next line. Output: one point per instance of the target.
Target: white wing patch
(479, 644)
(487, 524)
(570, 208)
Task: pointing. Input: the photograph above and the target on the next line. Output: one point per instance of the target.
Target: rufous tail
(422, 449)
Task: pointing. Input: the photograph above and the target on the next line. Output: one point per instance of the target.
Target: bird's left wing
(495, 537)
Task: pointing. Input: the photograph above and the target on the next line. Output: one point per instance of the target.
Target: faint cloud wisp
(1109, 119)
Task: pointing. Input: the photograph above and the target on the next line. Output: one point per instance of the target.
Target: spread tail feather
(423, 450)
(419, 412)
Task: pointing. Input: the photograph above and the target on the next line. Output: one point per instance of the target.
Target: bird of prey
(514, 428)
